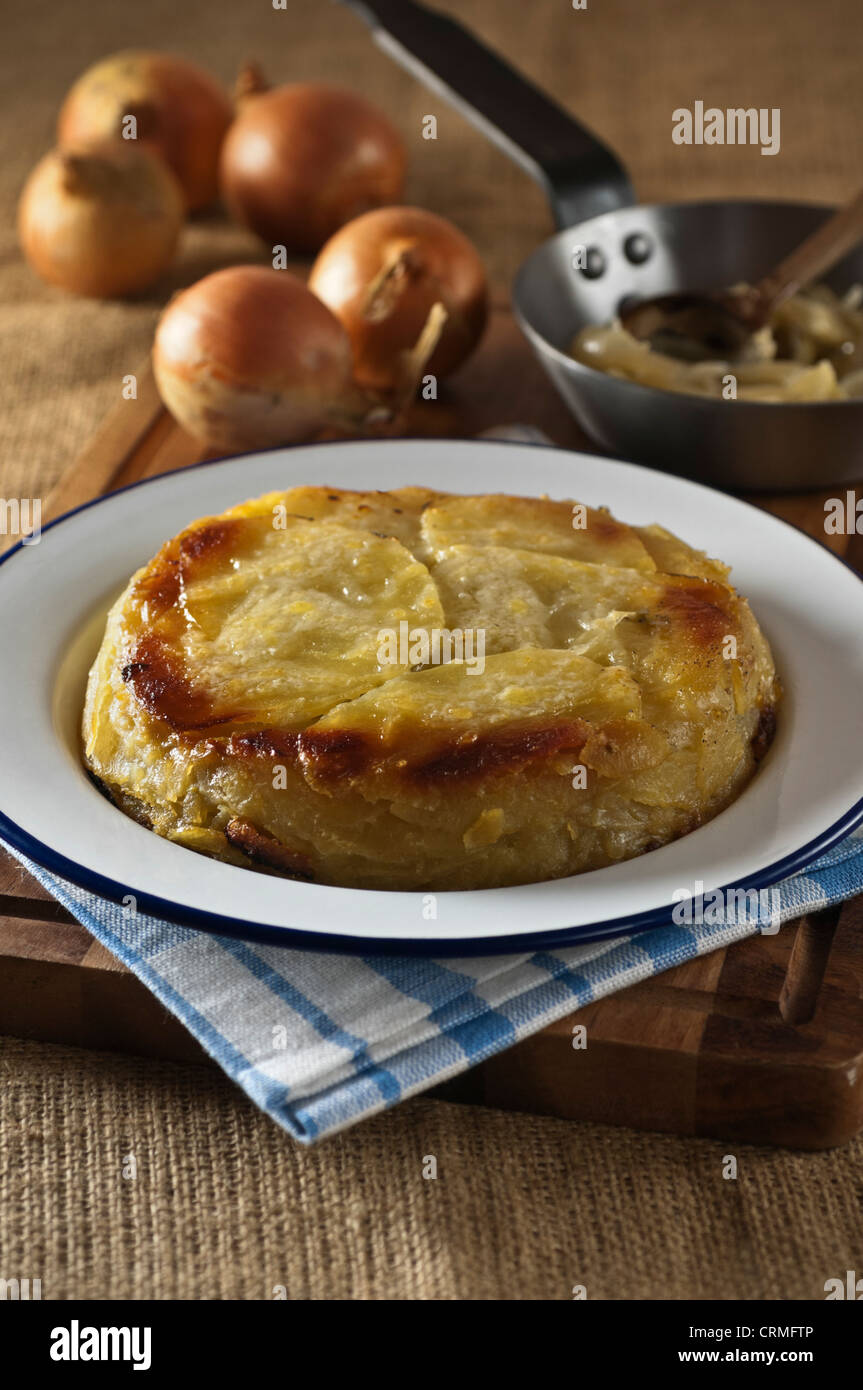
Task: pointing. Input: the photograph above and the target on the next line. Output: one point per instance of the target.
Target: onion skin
(103, 223)
(182, 114)
(433, 262)
(248, 358)
(301, 160)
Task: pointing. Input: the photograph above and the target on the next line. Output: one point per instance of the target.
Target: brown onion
(181, 112)
(299, 161)
(380, 276)
(104, 222)
(248, 357)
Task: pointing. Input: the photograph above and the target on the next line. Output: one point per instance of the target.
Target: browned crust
(161, 685)
(765, 732)
(128, 804)
(161, 584)
(700, 608)
(607, 528)
(338, 757)
(263, 743)
(264, 849)
(502, 751)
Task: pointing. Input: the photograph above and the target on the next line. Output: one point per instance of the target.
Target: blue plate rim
(302, 939)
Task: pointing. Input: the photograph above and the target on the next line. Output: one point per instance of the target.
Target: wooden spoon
(700, 327)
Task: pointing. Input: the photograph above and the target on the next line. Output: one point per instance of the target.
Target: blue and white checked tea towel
(320, 1041)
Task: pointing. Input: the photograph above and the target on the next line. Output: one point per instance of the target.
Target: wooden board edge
(97, 466)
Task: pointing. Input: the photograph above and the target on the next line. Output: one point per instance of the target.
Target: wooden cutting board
(762, 1042)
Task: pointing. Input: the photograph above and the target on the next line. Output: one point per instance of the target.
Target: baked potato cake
(418, 690)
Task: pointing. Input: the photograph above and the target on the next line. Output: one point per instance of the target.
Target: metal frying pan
(632, 251)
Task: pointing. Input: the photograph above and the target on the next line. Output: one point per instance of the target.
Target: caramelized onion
(380, 276)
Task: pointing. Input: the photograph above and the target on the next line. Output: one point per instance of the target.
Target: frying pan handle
(580, 175)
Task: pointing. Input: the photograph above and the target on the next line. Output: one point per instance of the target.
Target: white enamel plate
(807, 794)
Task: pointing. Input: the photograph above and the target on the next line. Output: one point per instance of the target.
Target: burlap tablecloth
(223, 1205)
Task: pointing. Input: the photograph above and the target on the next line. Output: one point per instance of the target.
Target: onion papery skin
(301, 160)
(435, 263)
(104, 222)
(248, 358)
(182, 114)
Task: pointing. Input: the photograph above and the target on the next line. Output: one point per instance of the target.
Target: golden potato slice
(247, 622)
(527, 598)
(568, 529)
